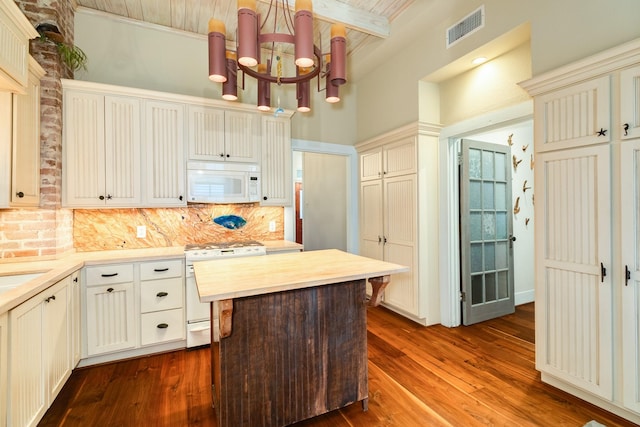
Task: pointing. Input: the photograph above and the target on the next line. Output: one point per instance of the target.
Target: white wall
(126, 53)
(561, 32)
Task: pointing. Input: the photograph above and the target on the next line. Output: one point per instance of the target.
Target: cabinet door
(573, 247)
(371, 225)
(399, 158)
(110, 318)
(241, 139)
(400, 234)
(573, 117)
(27, 377)
(25, 171)
(56, 336)
(122, 151)
(164, 147)
(4, 366)
(75, 315)
(206, 133)
(276, 161)
(630, 103)
(83, 169)
(6, 139)
(630, 268)
(371, 164)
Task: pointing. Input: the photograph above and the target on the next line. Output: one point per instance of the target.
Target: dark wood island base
(288, 356)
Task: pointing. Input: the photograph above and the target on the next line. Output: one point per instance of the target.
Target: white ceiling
(366, 20)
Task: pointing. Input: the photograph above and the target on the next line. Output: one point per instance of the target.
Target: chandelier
(260, 54)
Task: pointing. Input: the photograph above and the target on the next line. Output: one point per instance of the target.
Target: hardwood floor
(481, 375)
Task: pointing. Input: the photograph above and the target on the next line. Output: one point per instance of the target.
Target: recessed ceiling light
(479, 60)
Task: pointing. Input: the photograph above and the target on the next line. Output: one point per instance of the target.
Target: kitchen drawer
(109, 274)
(162, 326)
(164, 294)
(161, 269)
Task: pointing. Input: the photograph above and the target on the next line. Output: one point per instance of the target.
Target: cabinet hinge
(459, 158)
(463, 296)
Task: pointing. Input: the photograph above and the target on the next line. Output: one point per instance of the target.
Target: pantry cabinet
(586, 208)
(276, 160)
(219, 135)
(40, 353)
(389, 213)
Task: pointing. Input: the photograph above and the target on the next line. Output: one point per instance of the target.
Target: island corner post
(287, 356)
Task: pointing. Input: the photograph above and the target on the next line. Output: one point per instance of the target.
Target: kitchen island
(293, 333)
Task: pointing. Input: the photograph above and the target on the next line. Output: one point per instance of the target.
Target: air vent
(469, 25)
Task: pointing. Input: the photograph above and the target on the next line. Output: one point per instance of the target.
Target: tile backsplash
(106, 229)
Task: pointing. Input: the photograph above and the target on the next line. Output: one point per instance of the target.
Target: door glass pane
(503, 284)
(487, 165)
(475, 226)
(487, 195)
(501, 225)
(490, 286)
(502, 255)
(476, 289)
(475, 195)
(488, 226)
(501, 195)
(476, 257)
(501, 171)
(474, 164)
(489, 256)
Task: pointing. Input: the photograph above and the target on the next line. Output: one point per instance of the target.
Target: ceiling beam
(351, 17)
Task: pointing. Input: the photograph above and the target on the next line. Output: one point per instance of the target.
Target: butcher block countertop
(247, 276)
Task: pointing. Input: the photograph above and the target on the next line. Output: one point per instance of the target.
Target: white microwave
(222, 182)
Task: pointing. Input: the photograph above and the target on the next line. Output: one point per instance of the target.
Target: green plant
(71, 55)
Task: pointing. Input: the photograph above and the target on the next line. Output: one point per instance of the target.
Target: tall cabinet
(393, 222)
(586, 205)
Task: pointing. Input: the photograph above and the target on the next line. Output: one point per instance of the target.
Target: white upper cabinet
(101, 166)
(219, 135)
(276, 161)
(15, 32)
(164, 154)
(630, 103)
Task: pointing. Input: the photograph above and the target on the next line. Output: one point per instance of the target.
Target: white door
(630, 269)
(486, 232)
(573, 262)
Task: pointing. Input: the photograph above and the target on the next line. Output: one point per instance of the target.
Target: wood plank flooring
(481, 375)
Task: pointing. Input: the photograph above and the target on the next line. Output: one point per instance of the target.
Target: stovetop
(222, 245)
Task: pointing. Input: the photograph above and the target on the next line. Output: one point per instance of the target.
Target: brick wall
(48, 230)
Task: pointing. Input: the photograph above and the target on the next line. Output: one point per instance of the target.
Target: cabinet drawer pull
(161, 294)
(603, 272)
(110, 290)
(627, 275)
(163, 326)
(51, 298)
(109, 275)
(160, 270)
(20, 194)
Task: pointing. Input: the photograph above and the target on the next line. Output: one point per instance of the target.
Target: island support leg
(377, 284)
(225, 314)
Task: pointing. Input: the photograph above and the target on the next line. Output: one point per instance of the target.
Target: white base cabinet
(4, 366)
(40, 353)
(587, 208)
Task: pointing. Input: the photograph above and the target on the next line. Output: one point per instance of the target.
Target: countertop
(53, 270)
(242, 277)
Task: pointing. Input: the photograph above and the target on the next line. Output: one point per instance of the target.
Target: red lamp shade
(332, 92)
(217, 62)
(338, 69)
(247, 33)
(264, 91)
(230, 87)
(303, 92)
(303, 33)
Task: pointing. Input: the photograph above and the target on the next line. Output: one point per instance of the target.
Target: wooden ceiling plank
(117, 7)
(354, 18)
(178, 14)
(134, 9)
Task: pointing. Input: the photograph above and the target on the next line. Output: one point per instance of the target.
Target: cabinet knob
(51, 298)
(626, 129)
(221, 154)
(20, 194)
(228, 155)
(161, 294)
(264, 198)
(163, 326)
(180, 198)
(110, 290)
(101, 197)
(109, 197)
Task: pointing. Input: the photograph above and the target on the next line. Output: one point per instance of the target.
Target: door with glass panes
(486, 239)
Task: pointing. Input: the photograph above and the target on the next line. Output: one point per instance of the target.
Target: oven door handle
(200, 329)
